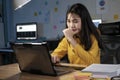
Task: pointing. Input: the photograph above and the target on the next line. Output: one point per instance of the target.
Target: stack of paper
(109, 70)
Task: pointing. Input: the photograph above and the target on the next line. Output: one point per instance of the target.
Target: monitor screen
(97, 22)
(26, 31)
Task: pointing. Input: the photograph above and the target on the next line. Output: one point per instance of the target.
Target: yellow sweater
(77, 54)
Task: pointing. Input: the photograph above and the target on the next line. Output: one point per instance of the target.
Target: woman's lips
(74, 29)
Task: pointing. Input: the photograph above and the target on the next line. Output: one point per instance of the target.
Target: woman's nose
(72, 25)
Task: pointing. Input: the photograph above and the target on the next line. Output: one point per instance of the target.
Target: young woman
(81, 41)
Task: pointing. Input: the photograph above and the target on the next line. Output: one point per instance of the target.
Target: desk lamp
(19, 3)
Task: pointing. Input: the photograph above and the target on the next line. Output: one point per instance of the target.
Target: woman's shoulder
(64, 39)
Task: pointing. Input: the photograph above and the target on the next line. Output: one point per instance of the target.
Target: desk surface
(12, 72)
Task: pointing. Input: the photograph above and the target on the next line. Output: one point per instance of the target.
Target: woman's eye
(75, 21)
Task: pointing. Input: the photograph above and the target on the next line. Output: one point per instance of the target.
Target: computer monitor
(97, 22)
(26, 31)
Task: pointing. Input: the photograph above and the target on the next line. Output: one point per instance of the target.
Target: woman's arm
(60, 51)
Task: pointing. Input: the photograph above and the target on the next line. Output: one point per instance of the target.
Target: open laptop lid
(34, 58)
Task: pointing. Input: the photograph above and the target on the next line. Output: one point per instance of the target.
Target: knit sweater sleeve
(61, 49)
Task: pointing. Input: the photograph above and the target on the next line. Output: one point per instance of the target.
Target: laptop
(35, 58)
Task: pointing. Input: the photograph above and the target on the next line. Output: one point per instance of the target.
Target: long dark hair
(87, 26)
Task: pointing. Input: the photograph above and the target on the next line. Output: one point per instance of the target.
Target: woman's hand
(68, 33)
(55, 59)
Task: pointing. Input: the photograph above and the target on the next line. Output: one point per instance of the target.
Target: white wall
(53, 22)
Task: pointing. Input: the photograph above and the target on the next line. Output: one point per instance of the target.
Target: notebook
(35, 58)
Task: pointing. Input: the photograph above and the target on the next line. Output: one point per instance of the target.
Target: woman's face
(74, 22)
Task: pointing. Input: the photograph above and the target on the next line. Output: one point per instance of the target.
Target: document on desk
(109, 70)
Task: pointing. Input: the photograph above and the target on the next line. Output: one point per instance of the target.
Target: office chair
(118, 56)
(110, 34)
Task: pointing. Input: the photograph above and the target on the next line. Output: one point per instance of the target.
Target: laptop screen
(26, 31)
(33, 57)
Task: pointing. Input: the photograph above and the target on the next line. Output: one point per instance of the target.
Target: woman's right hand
(55, 59)
(68, 33)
